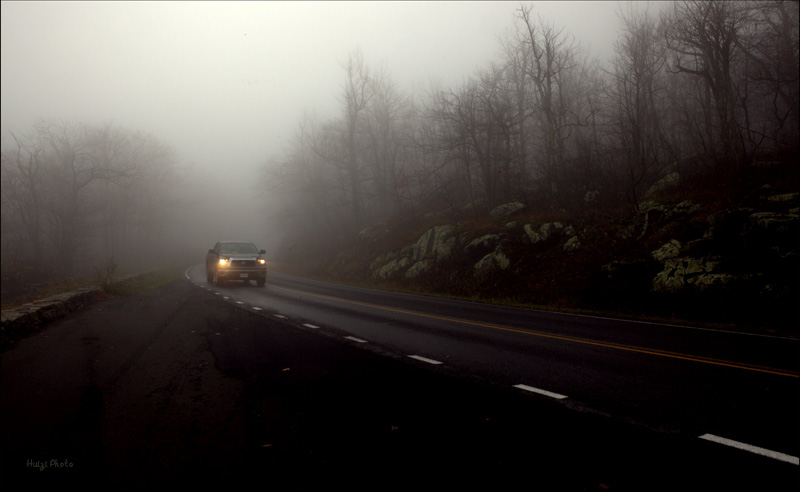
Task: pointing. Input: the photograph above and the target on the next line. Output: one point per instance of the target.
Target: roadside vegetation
(110, 285)
(144, 282)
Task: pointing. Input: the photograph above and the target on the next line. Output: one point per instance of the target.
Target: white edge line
(425, 359)
(313, 327)
(280, 316)
(256, 308)
(540, 391)
(753, 449)
(356, 339)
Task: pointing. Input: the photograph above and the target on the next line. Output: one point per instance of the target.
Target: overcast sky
(226, 83)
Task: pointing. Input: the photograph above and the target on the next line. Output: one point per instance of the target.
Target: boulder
(651, 207)
(671, 180)
(699, 247)
(437, 243)
(669, 250)
(686, 207)
(490, 263)
(772, 223)
(727, 225)
(381, 260)
(785, 198)
(778, 232)
(572, 244)
(417, 269)
(482, 245)
(393, 269)
(544, 232)
(506, 209)
(678, 273)
(711, 281)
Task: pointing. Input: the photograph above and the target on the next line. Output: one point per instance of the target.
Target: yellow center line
(586, 341)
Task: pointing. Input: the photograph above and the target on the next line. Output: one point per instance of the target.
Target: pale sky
(226, 83)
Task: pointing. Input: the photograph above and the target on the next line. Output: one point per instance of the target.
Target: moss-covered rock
(669, 250)
(490, 264)
(437, 243)
(506, 209)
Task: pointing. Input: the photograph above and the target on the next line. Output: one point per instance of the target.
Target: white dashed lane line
(708, 437)
(425, 359)
(540, 391)
(753, 449)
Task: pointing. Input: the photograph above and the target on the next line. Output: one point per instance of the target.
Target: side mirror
(262, 252)
(211, 251)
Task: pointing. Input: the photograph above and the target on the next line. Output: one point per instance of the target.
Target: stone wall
(19, 322)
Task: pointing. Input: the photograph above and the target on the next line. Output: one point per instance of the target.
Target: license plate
(243, 275)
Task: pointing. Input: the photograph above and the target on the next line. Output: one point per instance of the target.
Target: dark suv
(235, 260)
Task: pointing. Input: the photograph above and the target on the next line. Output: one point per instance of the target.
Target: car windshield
(238, 248)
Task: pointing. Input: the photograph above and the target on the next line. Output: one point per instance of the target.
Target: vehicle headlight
(262, 261)
(223, 262)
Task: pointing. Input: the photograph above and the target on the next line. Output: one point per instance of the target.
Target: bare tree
(636, 95)
(500, 121)
(358, 91)
(772, 56)
(457, 143)
(517, 68)
(83, 187)
(71, 172)
(303, 181)
(552, 55)
(703, 38)
(381, 125)
(23, 193)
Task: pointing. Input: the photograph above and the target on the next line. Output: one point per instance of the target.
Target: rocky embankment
(671, 258)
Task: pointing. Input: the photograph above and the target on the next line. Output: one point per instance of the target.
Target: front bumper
(242, 273)
(242, 269)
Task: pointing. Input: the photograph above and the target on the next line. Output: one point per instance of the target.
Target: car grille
(243, 263)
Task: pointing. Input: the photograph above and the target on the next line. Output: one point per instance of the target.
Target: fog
(226, 83)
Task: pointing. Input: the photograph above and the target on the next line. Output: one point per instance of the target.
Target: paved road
(179, 388)
(671, 378)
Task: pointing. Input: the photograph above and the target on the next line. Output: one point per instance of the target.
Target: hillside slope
(707, 258)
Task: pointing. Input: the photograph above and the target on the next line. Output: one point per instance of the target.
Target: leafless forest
(705, 89)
